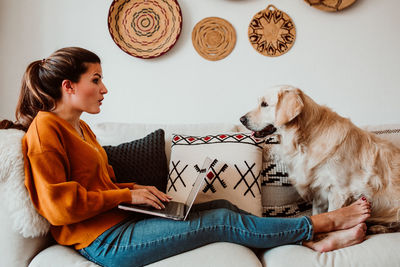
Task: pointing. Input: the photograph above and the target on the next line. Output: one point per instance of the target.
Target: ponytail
(41, 83)
(6, 124)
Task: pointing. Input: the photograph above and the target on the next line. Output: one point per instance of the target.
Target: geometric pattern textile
(279, 196)
(236, 170)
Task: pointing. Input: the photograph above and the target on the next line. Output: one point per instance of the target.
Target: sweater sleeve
(125, 185)
(61, 201)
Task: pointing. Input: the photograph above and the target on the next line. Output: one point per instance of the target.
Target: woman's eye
(96, 81)
(264, 104)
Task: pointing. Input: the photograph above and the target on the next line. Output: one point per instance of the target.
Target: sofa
(17, 249)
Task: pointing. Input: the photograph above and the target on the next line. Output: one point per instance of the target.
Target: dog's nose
(243, 120)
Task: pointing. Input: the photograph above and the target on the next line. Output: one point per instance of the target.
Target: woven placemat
(272, 32)
(213, 38)
(330, 5)
(145, 28)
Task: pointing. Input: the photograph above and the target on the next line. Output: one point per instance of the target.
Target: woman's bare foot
(338, 239)
(342, 218)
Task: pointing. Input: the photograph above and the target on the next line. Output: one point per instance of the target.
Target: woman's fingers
(144, 196)
(159, 194)
(154, 200)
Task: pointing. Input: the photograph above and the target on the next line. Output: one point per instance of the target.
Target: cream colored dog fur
(330, 160)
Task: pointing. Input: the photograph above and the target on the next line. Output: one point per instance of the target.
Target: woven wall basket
(330, 5)
(271, 32)
(213, 38)
(145, 28)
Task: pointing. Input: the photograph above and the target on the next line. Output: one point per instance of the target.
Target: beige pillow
(236, 174)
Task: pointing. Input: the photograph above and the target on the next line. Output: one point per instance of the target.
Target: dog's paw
(379, 229)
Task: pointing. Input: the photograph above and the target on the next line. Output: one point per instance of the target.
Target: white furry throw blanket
(13, 192)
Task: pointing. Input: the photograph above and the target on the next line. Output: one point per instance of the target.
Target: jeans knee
(222, 216)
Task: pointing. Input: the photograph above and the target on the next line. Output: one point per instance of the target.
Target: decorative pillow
(279, 197)
(236, 174)
(13, 192)
(142, 161)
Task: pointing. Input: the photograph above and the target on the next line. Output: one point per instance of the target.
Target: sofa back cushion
(390, 132)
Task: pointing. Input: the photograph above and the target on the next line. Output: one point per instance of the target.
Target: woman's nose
(104, 90)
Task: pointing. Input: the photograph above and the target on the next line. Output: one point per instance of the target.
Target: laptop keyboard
(173, 207)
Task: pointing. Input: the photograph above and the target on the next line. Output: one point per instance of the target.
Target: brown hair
(41, 83)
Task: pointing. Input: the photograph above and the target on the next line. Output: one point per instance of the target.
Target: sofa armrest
(15, 250)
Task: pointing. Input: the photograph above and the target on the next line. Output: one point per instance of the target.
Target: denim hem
(310, 235)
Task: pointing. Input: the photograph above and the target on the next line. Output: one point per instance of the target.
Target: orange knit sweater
(70, 182)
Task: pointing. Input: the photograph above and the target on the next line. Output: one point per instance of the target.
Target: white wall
(348, 60)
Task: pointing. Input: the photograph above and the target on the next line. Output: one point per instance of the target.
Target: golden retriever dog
(330, 160)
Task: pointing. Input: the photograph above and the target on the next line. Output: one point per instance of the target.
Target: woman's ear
(290, 105)
(67, 87)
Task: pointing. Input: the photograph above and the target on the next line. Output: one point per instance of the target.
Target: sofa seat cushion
(378, 250)
(217, 254)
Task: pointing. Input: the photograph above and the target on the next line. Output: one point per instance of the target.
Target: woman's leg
(150, 240)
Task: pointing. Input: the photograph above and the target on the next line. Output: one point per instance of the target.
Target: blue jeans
(137, 243)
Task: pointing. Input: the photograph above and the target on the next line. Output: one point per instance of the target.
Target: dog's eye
(264, 104)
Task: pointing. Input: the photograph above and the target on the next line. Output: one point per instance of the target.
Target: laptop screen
(199, 182)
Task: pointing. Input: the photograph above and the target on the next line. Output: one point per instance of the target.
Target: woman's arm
(61, 201)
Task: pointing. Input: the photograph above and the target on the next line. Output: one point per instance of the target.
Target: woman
(73, 187)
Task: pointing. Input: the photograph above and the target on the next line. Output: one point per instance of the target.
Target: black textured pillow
(142, 161)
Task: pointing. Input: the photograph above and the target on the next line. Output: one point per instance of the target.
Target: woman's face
(89, 90)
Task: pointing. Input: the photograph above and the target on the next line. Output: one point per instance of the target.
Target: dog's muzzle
(269, 129)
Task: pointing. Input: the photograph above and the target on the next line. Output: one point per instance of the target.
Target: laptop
(174, 210)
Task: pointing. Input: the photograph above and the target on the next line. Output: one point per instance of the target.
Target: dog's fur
(331, 161)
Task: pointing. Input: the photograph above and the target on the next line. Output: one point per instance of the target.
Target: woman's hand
(149, 195)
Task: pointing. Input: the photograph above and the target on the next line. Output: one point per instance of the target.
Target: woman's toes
(360, 232)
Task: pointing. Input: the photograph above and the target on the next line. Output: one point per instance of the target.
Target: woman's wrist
(137, 186)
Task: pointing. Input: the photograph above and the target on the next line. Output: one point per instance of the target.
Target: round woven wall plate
(272, 32)
(213, 38)
(330, 5)
(145, 28)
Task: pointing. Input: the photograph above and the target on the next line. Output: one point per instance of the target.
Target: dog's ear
(289, 106)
